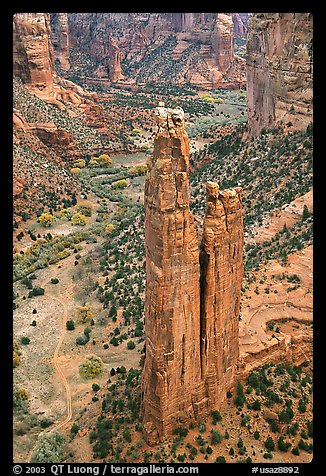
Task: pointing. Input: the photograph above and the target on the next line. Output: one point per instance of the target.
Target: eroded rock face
(191, 347)
(221, 277)
(165, 47)
(223, 41)
(33, 52)
(114, 58)
(279, 70)
(171, 373)
(60, 39)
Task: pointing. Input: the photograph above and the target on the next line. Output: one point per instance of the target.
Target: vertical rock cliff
(60, 39)
(33, 52)
(171, 374)
(114, 58)
(279, 70)
(221, 265)
(191, 306)
(223, 41)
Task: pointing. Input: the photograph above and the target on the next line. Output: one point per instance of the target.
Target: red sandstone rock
(171, 384)
(223, 41)
(192, 345)
(221, 278)
(279, 70)
(33, 52)
(60, 39)
(114, 59)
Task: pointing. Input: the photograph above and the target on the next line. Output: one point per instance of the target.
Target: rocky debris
(279, 70)
(60, 39)
(182, 353)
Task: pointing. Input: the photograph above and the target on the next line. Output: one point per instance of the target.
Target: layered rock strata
(164, 47)
(60, 39)
(221, 266)
(191, 329)
(32, 50)
(172, 387)
(279, 70)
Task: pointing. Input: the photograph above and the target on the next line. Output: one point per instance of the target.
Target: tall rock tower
(192, 305)
(172, 386)
(221, 265)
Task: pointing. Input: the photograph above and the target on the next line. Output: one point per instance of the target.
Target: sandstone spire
(191, 346)
(171, 371)
(221, 266)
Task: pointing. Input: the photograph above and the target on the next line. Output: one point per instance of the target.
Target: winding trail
(59, 424)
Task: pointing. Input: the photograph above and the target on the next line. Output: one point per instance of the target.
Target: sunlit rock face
(192, 305)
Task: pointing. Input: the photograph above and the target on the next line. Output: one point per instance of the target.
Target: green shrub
(50, 448)
(131, 345)
(269, 444)
(70, 325)
(54, 280)
(91, 366)
(220, 459)
(36, 291)
(25, 340)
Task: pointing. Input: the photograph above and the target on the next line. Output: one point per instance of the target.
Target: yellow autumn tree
(78, 219)
(84, 313)
(46, 219)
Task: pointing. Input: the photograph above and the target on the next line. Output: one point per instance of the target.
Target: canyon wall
(60, 39)
(279, 70)
(33, 51)
(165, 47)
(191, 306)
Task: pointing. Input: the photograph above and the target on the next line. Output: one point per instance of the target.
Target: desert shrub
(120, 184)
(54, 280)
(70, 325)
(269, 444)
(25, 340)
(104, 159)
(216, 437)
(220, 459)
(216, 416)
(85, 208)
(240, 398)
(80, 163)
(114, 341)
(84, 313)
(91, 366)
(282, 445)
(75, 171)
(78, 219)
(36, 291)
(131, 345)
(45, 423)
(109, 228)
(46, 219)
(33, 323)
(95, 387)
(82, 340)
(50, 448)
